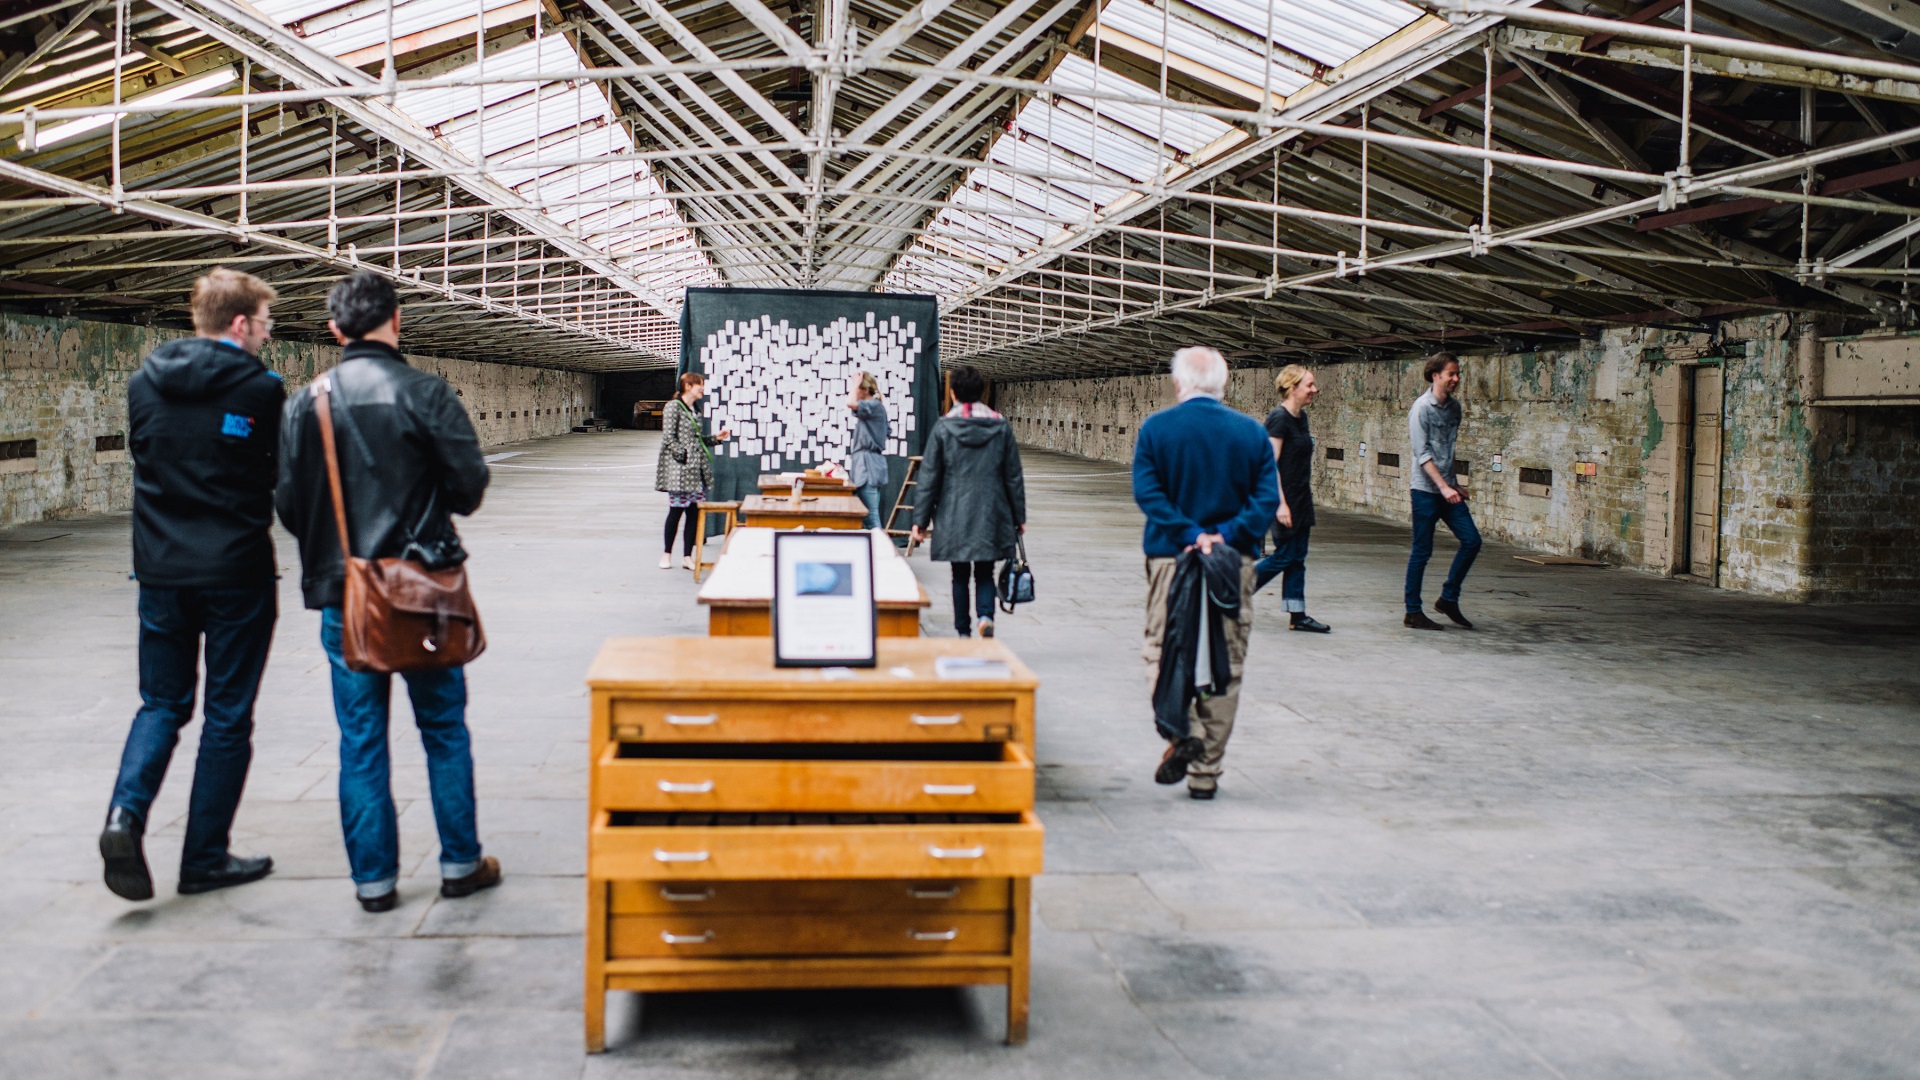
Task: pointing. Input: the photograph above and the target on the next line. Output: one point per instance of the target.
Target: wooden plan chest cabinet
(760, 827)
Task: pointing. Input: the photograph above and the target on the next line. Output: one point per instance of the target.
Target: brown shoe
(1179, 755)
(484, 878)
(1451, 609)
(1417, 620)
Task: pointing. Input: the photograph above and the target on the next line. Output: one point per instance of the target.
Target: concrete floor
(1629, 828)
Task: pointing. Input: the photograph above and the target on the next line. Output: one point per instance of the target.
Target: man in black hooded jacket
(203, 421)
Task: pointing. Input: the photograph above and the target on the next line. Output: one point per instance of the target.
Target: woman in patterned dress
(685, 468)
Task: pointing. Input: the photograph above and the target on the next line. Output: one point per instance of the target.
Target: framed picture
(823, 614)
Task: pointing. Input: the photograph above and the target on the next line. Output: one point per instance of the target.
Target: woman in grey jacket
(970, 486)
(685, 466)
(867, 464)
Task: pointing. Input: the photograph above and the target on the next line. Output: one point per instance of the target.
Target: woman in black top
(1293, 451)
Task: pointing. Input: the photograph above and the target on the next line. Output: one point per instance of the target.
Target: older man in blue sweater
(1204, 476)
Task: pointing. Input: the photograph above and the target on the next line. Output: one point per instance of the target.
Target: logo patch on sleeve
(237, 425)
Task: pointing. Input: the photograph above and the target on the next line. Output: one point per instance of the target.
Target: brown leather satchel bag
(398, 616)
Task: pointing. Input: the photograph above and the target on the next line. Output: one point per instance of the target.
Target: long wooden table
(813, 512)
(758, 827)
(782, 483)
(739, 594)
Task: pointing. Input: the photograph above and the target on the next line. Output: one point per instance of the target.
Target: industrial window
(513, 416)
(496, 416)
(1335, 453)
(104, 443)
(1462, 467)
(1543, 477)
(15, 449)
(1389, 461)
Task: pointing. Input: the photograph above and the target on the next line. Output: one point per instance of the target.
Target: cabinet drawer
(802, 720)
(865, 779)
(629, 846)
(881, 933)
(808, 897)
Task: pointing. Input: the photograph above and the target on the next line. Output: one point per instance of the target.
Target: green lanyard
(694, 419)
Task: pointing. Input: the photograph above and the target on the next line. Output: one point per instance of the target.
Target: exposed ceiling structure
(1084, 183)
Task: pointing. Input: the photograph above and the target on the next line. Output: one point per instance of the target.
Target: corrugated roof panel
(338, 29)
(1184, 131)
(1201, 45)
(1331, 31)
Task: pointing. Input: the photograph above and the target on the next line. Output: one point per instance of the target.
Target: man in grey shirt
(1432, 425)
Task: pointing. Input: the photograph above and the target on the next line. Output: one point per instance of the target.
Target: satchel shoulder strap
(323, 411)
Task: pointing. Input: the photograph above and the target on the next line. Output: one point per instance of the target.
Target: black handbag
(1016, 581)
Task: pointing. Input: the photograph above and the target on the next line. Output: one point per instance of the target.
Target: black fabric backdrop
(779, 363)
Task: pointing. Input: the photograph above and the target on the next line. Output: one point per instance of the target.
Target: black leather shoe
(238, 871)
(1417, 620)
(1451, 609)
(1179, 755)
(1201, 793)
(386, 901)
(1304, 621)
(486, 877)
(125, 856)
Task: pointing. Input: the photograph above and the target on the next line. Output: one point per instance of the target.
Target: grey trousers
(1212, 717)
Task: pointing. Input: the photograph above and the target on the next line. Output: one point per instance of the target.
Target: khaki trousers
(1212, 718)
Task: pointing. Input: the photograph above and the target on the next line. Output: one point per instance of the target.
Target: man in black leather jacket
(409, 459)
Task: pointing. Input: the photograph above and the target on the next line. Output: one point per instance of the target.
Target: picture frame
(823, 606)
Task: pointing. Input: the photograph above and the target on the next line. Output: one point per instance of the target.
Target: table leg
(1019, 971)
(596, 988)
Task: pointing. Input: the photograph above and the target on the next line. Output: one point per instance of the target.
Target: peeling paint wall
(1791, 524)
(63, 383)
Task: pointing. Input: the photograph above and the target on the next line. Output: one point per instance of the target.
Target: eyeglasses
(266, 323)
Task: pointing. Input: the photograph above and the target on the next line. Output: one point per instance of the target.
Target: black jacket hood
(196, 368)
(974, 432)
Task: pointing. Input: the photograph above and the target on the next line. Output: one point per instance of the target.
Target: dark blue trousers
(1430, 509)
(237, 626)
(367, 816)
(1288, 562)
(980, 575)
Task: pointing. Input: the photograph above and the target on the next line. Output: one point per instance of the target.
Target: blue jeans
(366, 789)
(871, 494)
(238, 627)
(980, 574)
(1288, 563)
(1428, 510)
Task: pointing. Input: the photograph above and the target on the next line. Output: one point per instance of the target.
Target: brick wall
(63, 384)
(1864, 511)
(1800, 516)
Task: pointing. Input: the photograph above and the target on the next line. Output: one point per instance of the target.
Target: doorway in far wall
(1703, 396)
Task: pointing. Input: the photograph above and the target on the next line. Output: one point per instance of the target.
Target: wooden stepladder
(904, 505)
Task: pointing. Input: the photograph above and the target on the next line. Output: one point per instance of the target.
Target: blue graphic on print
(823, 579)
(237, 425)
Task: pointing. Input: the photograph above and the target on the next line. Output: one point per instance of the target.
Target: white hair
(1199, 370)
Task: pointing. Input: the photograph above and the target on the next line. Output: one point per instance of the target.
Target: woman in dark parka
(972, 497)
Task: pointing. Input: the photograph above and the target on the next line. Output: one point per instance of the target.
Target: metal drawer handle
(947, 789)
(692, 720)
(938, 852)
(937, 721)
(686, 939)
(937, 935)
(679, 856)
(947, 893)
(700, 788)
(686, 897)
